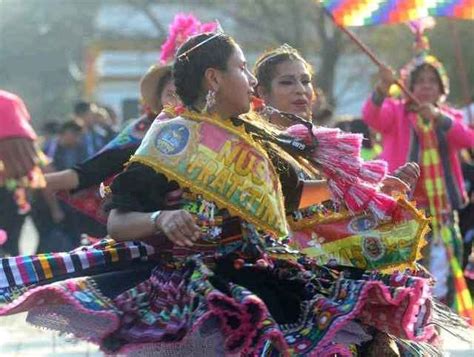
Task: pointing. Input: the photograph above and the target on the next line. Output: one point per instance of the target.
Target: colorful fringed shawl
(221, 162)
(432, 175)
(352, 181)
(32, 269)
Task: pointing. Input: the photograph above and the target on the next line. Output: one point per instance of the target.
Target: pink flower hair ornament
(183, 27)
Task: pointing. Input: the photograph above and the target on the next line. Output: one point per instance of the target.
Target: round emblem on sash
(361, 224)
(172, 139)
(373, 248)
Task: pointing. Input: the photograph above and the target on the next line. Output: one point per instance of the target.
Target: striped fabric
(32, 269)
(462, 298)
(376, 12)
(432, 177)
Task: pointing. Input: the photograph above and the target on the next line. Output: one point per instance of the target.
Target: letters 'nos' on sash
(219, 161)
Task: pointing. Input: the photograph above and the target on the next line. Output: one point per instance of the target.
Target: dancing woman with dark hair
(214, 276)
(285, 83)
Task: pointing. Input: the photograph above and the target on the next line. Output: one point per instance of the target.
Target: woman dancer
(285, 83)
(239, 267)
(432, 134)
(205, 195)
(20, 167)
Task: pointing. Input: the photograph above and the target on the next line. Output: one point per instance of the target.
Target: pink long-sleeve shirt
(396, 126)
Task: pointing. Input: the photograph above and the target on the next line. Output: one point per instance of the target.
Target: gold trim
(419, 239)
(208, 195)
(318, 219)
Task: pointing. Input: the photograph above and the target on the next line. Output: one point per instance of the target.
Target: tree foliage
(41, 49)
(42, 42)
(450, 41)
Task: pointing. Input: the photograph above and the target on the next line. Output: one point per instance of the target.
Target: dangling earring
(210, 101)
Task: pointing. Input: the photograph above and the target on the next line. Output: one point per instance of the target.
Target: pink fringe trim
(351, 180)
(415, 297)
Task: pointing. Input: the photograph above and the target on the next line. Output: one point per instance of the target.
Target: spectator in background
(468, 112)
(48, 133)
(66, 149)
(94, 137)
(104, 125)
(114, 119)
(431, 133)
(57, 224)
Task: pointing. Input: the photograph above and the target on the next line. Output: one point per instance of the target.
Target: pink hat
(14, 117)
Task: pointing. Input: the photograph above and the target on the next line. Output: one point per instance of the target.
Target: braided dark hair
(266, 64)
(188, 70)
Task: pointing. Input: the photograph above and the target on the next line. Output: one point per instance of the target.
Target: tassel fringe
(351, 180)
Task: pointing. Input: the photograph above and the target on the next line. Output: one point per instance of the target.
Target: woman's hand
(409, 174)
(429, 112)
(392, 184)
(179, 227)
(386, 79)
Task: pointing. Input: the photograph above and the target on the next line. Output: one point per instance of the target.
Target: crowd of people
(65, 145)
(198, 208)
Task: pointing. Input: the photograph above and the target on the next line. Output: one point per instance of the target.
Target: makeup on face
(291, 89)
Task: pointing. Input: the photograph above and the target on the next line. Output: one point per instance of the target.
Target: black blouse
(107, 163)
(103, 165)
(139, 188)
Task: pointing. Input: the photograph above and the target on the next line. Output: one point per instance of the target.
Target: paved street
(17, 339)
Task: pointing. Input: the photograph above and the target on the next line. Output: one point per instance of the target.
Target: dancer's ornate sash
(362, 241)
(219, 161)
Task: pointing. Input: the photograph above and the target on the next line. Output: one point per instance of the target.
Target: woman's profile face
(236, 87)
(426, 86)
(168, 95)
(291, 89)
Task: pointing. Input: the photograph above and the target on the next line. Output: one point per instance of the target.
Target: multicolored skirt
(129, 299)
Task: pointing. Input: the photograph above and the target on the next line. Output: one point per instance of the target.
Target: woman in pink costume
(430, 133)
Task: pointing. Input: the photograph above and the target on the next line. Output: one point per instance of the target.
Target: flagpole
(371, 55)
